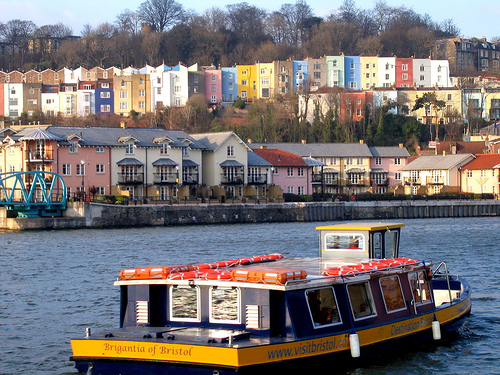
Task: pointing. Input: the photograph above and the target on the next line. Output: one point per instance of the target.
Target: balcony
(380, 181)
(412, 181)
(232, 179)
(166, 178)
(435, 180)
(46, 155)
(358, 182)
(190, 178)
(257, 179)
(130, 178)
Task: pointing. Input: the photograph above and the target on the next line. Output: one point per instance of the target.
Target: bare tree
(247, 21)
(128, 22)
(17, 33)
(161, 14)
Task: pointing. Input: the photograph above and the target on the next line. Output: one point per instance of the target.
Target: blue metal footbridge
(32, 194)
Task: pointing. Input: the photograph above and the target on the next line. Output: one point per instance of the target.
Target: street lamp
(82, 172)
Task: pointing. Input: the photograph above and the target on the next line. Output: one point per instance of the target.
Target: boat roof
(370, 226)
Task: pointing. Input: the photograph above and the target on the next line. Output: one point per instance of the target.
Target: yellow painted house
(122, 86)
(247, 82)
(369, 71)
(451, 96)
(141, 93)
(265, 80)
(482, 175)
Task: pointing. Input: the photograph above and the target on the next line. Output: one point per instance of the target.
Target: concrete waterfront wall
(90, 215)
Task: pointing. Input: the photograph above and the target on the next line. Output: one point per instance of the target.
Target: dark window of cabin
(184, 303)
(377, 246)
(323, 307)
(361, 300)
(391, 243)
(224, 305)
(393, 295)
(420, 287)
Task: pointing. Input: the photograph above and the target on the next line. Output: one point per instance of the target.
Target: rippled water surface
(54, 284)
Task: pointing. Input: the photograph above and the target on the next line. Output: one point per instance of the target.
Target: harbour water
(54, 284)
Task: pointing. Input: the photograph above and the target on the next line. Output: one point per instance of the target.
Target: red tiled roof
(483, 161)
(280, 157)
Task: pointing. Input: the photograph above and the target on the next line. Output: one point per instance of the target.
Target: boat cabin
(360, 242)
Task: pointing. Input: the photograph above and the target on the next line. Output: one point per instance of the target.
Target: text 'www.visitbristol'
(309, 347)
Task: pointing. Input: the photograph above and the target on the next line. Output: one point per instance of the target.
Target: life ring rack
(370, 266)
(198, 271)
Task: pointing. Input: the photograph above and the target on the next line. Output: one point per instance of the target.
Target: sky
(474, 19)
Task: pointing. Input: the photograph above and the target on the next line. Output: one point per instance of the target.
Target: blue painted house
(229, 85)
(352, 69)
(300, 75)
(104, 98)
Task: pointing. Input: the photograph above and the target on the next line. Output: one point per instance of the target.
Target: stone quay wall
(94, 215)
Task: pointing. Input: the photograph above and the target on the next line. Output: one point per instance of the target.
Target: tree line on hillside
(162, 31)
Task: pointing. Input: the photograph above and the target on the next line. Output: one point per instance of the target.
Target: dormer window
(164, 149)
(73, 147)
(129, 148)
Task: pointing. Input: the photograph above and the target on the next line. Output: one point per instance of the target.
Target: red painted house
(404, 72)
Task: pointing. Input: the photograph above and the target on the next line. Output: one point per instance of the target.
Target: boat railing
(446, 274)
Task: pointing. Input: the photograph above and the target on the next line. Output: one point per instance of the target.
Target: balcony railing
(232, 179)
(257, 179)
(380, 181)
(412, 181)
(190, 178)
(130, 179)
(317, 178)
(435, 180)
(359, 182)
(45, 155)
(165, 178)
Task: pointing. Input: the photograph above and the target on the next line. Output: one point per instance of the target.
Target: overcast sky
(474, 18)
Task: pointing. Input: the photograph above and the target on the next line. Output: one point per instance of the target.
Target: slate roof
(317, 150)
(104, 136)
(389, 152)
(484, 161)
(39, 134)
(255, 160)
(212, 141)
(436, 162)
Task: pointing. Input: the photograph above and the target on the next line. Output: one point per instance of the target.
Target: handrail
(447, 274)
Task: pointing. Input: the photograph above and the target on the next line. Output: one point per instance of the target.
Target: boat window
(184, 303)
(224, 305)
(391, 243)
(323, 307)
(335, 241)
(420, 287)
(377, 246)
(393, 295)
(361, 300)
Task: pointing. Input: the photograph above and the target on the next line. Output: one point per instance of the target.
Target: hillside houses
(354, 84)
(171, 165)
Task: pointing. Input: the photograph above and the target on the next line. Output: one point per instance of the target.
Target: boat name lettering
(412, 326)
(151, 350)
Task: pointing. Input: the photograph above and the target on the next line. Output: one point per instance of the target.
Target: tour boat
(253, 314)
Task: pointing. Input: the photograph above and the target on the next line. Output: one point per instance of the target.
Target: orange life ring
(185, 275)
(216, 275)
(353, 197)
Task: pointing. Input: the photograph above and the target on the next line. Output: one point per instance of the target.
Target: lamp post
(82, 172)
